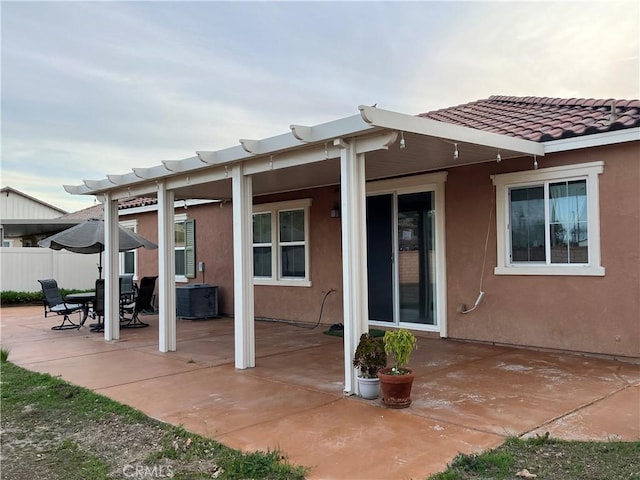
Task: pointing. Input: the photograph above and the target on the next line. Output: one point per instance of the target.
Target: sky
(96, 88)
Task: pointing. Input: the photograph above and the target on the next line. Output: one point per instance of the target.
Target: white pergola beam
(318, 153)
(302, 133)
(455, 133)
(250, 146)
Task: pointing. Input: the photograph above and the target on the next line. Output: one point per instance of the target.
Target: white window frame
(276, 274)
(131, 225)
(180, 218)
(506, 181)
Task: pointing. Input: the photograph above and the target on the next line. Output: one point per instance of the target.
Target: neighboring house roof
(542, 119)
(96, 211)
(9, 190)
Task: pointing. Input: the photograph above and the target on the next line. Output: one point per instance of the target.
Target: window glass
(568, 233)
(179, 234)
(292, 226)
(262, 228)
(180, 262)
(129, 263)
(527, 224)
(293, 261)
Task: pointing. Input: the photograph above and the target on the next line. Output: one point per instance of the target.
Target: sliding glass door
(401, 258)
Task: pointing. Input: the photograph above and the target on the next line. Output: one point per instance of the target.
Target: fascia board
(448, 131)
(594, 140)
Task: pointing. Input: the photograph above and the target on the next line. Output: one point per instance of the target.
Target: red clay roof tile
(542, 119)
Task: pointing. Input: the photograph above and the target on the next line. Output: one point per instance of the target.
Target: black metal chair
(98, 307)
(127, 289)
(143, 302)
(54, 303)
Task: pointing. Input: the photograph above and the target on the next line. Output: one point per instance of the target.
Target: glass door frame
(418, 184)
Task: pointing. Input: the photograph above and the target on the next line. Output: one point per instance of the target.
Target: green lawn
(52, 429)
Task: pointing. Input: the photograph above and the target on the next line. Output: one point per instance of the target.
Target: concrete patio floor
(466, 398)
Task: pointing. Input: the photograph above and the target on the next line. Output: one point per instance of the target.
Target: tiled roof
(136, 202)
(96, 211)
(542, 119)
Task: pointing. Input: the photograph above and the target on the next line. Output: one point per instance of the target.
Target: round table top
(81, 296)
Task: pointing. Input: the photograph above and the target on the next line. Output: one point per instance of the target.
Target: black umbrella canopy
(88, 237)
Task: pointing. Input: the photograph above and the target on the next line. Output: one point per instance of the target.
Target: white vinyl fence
(22, 267)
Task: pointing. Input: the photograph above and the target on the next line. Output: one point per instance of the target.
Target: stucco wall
(214, 246)
(588, 314)
(303, 303)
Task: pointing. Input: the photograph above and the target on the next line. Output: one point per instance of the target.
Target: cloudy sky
(90, 88)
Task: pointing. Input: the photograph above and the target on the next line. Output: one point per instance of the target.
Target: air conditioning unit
(197, 301)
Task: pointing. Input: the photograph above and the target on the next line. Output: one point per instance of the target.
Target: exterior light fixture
(335, 211)
(498, 157)
(402, 142)
(455, 151)
(535, 162)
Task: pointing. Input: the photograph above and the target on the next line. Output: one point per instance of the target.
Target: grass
(549, 458)
(74, 433)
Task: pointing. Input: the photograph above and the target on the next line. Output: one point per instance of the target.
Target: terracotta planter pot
(396, 389)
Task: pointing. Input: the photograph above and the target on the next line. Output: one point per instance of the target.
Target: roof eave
(593, 140)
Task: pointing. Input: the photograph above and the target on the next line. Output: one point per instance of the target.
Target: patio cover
(308, 156)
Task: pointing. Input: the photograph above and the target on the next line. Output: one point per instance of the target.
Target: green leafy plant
(400, 344)
(370, 356)
(10, 297)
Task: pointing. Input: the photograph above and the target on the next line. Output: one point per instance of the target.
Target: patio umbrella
(88, 237)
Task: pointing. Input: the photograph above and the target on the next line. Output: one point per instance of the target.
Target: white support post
(166, 271)
(244, 332)
(354, 256)
(111, 270)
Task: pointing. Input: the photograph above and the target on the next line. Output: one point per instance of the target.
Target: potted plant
(370, 356)
(396, 381)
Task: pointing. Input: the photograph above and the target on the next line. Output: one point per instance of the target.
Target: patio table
(86, 299)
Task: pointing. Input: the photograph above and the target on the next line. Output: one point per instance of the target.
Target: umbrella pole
(100, 267)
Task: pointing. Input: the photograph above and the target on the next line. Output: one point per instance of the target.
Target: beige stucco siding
(587, 314)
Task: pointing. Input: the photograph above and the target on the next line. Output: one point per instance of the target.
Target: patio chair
(54, 303)
(127, 289)
(98, 307)
(141, 303)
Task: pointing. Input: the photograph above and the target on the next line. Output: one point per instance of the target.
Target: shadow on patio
(467, 397)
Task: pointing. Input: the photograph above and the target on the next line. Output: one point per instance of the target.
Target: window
(184, 245)
(281, 243)
(128, 260)
(548, 221)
